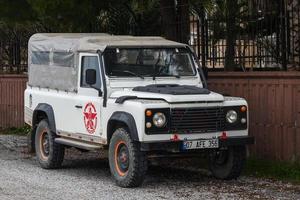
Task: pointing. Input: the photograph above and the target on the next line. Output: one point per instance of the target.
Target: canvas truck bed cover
(53, 57)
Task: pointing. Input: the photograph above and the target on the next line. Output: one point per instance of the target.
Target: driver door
(89, 101)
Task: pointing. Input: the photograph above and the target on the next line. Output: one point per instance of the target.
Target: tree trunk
(231, 33)
(168, 15)
(184, 21)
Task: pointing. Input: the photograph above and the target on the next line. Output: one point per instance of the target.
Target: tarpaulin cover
(53, 57)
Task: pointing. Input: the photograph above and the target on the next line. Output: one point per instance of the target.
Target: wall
(274, 105)
(273, 97)
(11, 100)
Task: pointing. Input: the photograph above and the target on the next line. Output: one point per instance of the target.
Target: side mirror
(90, 76)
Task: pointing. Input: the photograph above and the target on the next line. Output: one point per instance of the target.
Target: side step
(78, 144)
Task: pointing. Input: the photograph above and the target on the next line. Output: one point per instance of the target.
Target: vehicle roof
(91, 42)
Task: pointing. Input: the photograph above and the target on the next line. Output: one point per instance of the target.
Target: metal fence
(262, 35)
(252, 35)
(13, 56)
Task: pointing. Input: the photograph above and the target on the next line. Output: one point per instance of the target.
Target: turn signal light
(148, 113)
(243, 109)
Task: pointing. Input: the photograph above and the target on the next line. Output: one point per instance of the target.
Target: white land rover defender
(134, 96)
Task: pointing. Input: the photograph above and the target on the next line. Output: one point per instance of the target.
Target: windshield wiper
(177, 76)
(131, 73)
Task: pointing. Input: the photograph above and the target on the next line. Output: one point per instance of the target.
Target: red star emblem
(90, 118)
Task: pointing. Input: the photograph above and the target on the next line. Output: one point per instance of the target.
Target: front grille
(197, 120)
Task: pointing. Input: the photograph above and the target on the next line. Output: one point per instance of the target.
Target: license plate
(200, 144)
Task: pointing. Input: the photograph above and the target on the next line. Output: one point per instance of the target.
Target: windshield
(148, 62)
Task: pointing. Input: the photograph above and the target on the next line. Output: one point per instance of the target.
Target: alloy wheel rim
(45, 145)
(122, 158)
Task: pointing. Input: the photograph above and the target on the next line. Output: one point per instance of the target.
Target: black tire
(227, 164)
(50, 154)
(130, 171)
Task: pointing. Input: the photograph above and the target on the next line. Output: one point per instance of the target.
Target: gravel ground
(87, 176)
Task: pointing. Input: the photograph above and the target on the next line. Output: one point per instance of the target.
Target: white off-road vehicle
(134, 96)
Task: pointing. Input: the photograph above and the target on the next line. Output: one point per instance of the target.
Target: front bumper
(176, 146)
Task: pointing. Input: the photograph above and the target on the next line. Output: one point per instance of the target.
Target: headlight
(231, 116)
(159, 120)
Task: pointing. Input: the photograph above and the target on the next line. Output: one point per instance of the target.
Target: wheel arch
(119, 119)
(42, 111)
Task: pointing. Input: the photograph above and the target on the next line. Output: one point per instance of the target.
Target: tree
(175, 19)
(15, 30)
(68, 15)
(131, 17)
(225, 23)
(231, 13)
(19, 19)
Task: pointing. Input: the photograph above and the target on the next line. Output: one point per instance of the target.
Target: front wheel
(128, 165)
(227, 164)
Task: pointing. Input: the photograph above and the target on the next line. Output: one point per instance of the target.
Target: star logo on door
(90, 117)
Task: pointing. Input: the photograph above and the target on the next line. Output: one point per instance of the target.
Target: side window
(63, 59)
(40, 57)
(90, 62)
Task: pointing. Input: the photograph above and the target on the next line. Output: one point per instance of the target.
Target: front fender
(123, 118)
(49, 114)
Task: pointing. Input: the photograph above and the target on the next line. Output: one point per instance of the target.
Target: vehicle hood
(211, 97)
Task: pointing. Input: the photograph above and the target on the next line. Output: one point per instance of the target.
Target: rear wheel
(227, 164)
(128, 165)
(49, 153)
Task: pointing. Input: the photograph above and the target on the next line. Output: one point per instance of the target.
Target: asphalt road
(87, 176)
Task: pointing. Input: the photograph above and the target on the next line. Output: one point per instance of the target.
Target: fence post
(202, 40)
(283, 34)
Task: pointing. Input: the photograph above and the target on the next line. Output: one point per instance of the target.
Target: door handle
(78, 106)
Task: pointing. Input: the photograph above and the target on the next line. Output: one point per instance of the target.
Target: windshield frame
(188, 51)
